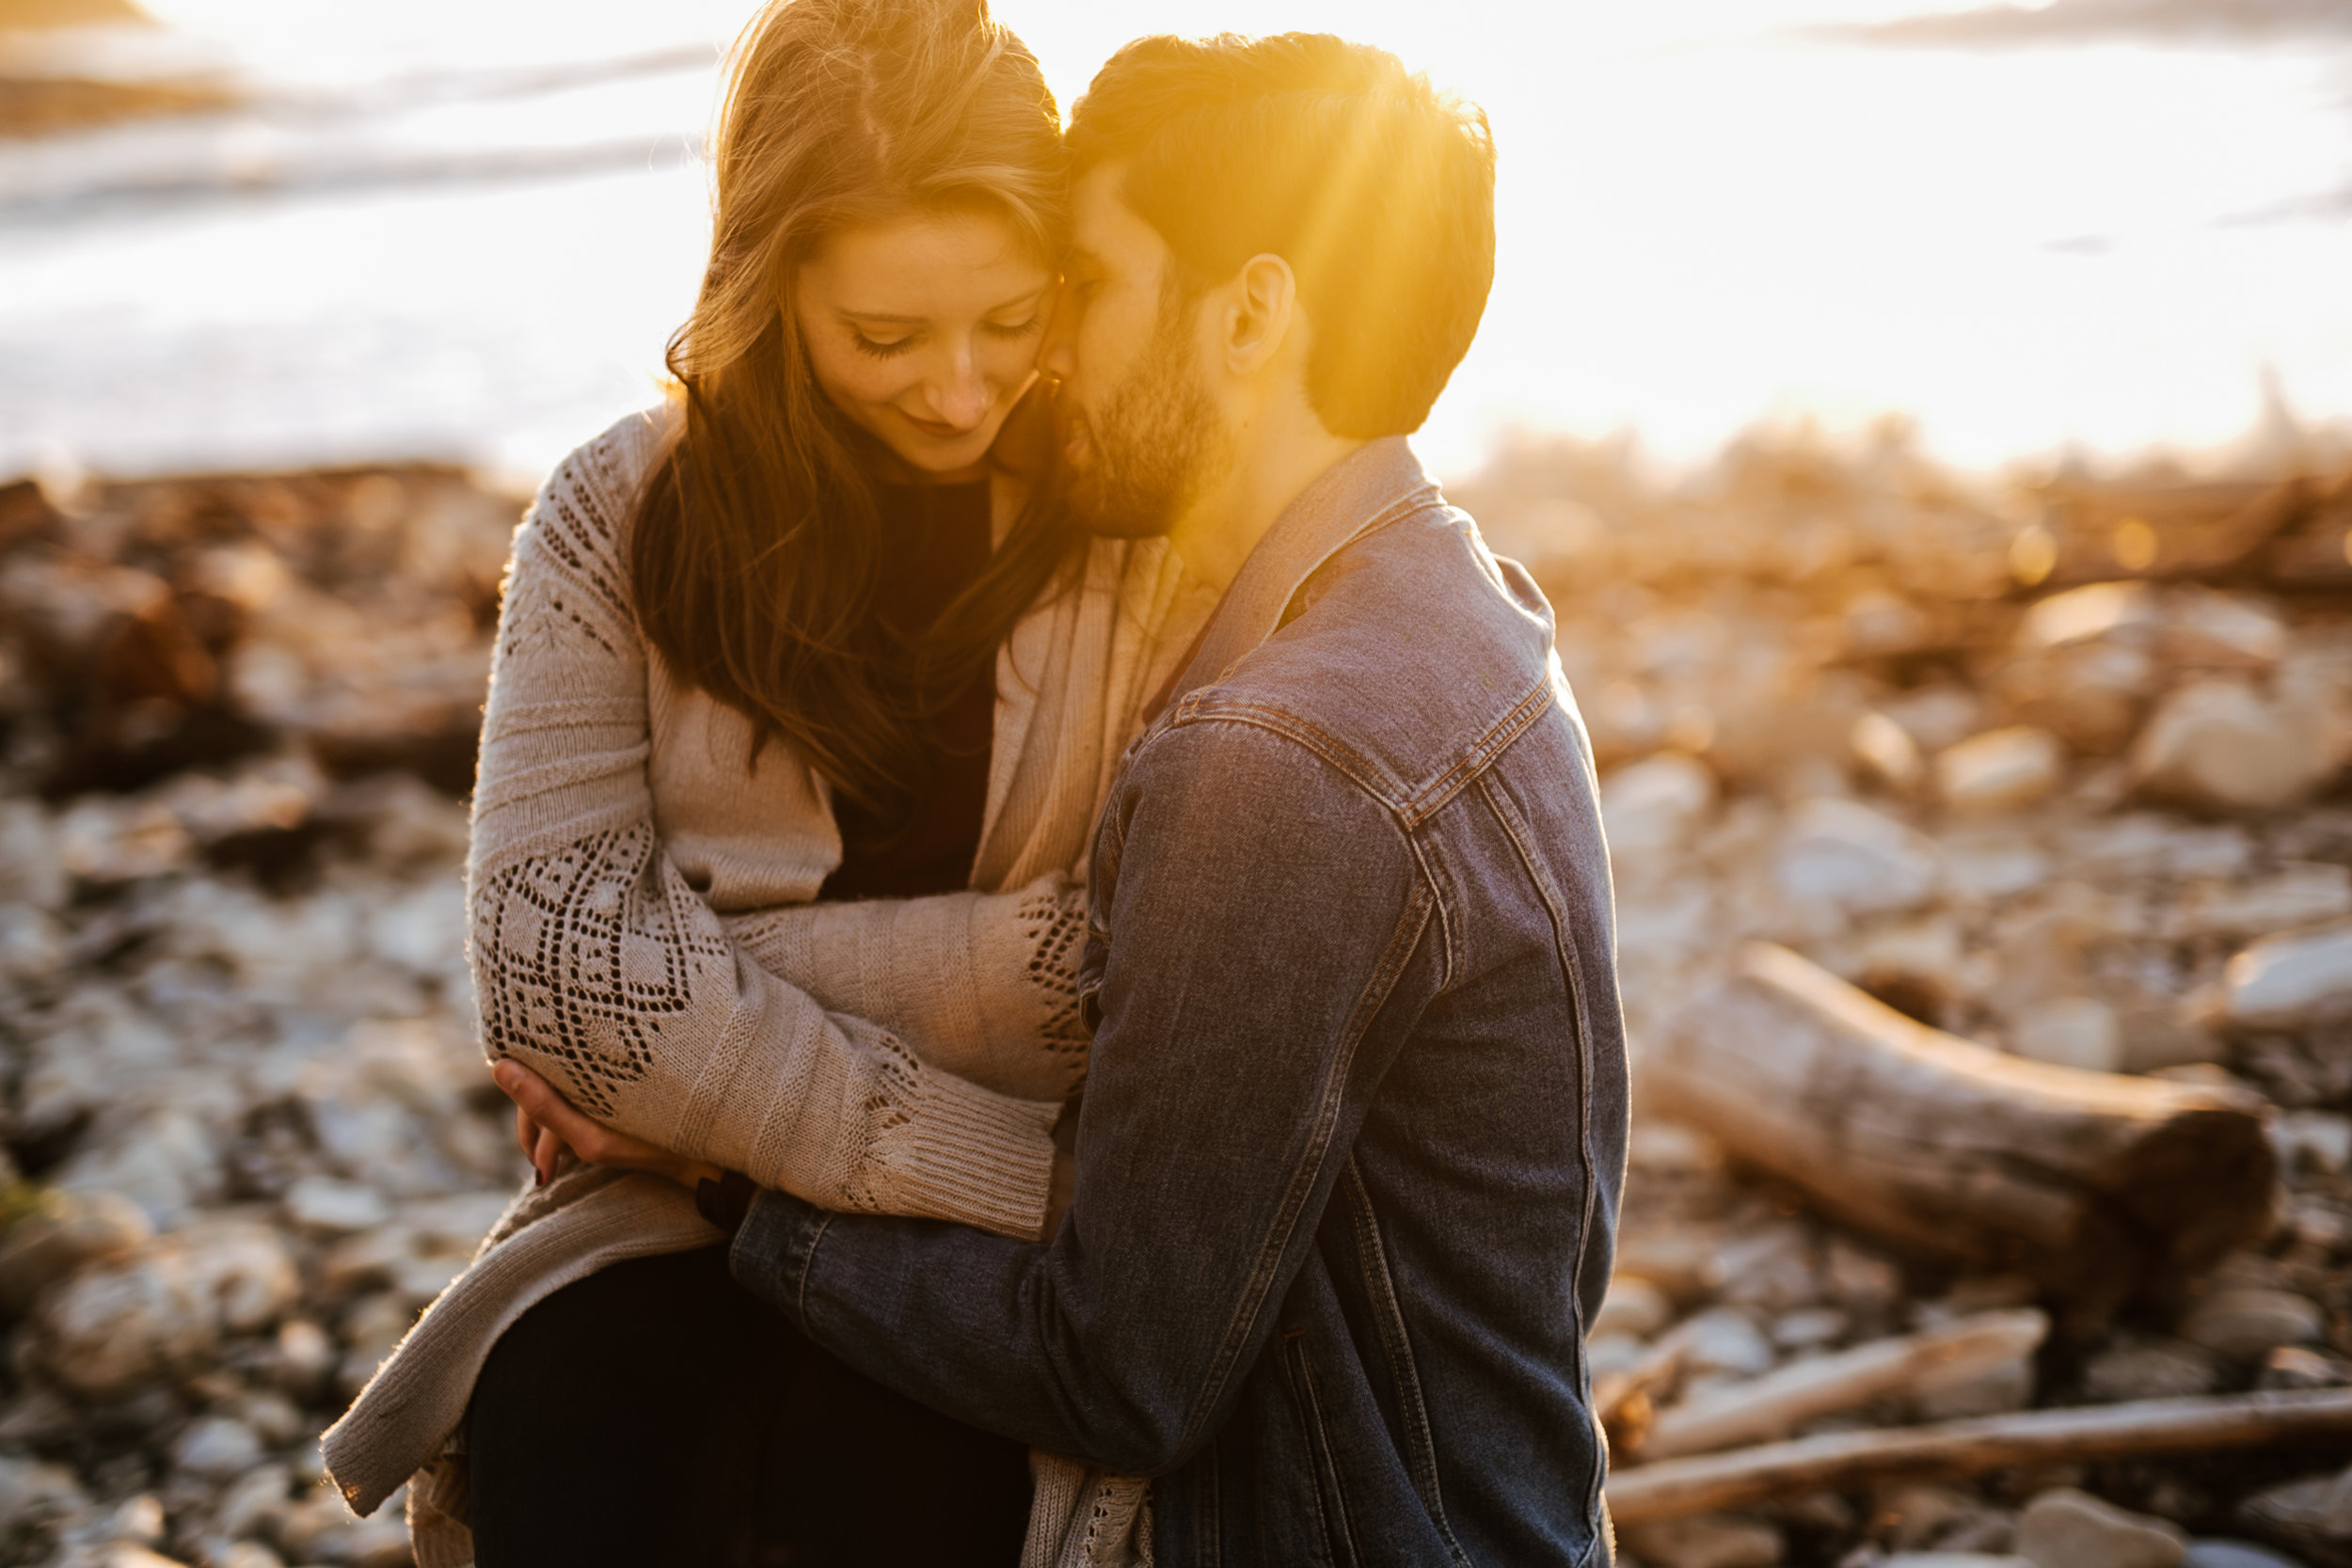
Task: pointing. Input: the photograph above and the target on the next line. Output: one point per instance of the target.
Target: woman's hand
(540, 1146)
(550, 1130)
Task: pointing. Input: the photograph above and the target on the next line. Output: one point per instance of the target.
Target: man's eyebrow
(848, 313)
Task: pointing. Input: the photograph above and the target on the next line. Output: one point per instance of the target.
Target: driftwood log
(1848, 1460)
(1780, 1401)
(2096, 1184)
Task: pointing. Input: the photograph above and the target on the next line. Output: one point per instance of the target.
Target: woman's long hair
(754, 550)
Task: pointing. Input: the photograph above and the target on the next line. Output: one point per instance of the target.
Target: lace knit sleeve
(984, 985)
(599, 966)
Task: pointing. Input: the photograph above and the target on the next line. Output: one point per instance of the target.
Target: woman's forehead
(925, 264)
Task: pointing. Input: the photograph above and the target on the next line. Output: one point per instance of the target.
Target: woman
(799, 720)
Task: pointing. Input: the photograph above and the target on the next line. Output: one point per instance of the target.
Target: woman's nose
(960, 395)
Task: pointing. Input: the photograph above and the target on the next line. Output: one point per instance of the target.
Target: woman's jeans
(656, 1413)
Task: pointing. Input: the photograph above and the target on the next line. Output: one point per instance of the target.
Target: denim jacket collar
(1377, 483)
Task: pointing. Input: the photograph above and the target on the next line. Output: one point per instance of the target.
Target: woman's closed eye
(890, 348)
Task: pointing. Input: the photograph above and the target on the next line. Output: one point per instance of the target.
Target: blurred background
(465, 229)
(1933, 427)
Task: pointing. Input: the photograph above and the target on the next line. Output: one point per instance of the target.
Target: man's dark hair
(1376, 188)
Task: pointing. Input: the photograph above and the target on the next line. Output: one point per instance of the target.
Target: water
(465, 231)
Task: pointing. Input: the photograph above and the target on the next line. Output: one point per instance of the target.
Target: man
(1349, 1150)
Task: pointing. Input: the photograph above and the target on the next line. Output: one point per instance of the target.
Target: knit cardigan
(644, 935)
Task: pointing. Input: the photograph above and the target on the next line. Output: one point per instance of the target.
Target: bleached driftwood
(1779, 1402)
(2094, 1183)
(1848, 1460)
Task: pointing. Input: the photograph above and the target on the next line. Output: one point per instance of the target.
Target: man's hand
(549, 1129)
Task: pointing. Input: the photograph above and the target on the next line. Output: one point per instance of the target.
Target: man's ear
(1261, 313)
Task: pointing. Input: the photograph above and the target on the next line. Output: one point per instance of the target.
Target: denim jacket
(1354, 1124)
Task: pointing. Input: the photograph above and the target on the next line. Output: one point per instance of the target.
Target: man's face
(1142, 436)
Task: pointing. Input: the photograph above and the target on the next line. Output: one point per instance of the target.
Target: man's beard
(1157, 445)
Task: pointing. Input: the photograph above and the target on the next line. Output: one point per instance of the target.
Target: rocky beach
(2045, 776)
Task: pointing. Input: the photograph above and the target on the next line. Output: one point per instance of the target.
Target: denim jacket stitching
(1302, 731)
(1339, 1535)
(1507, 813)
(1448, 953)
(1412, 921)
(1421, 1444)
(1411, 811)
(808, 1261)
(1480, 756)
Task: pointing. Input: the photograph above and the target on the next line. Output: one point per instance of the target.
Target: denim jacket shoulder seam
(1285, 725)
(1412, 810)
(1481, 754)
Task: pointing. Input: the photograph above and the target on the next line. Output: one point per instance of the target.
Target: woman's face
(924, 328)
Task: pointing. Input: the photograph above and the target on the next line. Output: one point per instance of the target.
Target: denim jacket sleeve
(1263, 926)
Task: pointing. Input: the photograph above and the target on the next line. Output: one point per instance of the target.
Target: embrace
(1037, 890)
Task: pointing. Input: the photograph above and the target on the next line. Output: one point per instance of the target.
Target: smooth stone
(1809, 1327)
(326, 1207)
(1654, 806)
(1672, 1149)
(2290, 982)
(2220, 745)
(1706, 1541)
(118, 1326)
(2083, 614)
(2288, 900)
(2067, 1529)
(2247, 1322)
(1725, 1341)
(2150, 1370)
(306, 1357)
(256, 1502)
(217, 1449)
(1634, 1307)
(1846, 855)
(1888, 752)
(34, 1492)
(2319, 1139)
(2233, 1554)
(64, 1231)
(2293, 1367)
(2315, 1510)
(2000, 769)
